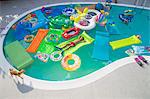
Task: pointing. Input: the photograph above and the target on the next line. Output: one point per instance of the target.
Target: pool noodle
(125, 42)
(17, 55)
(87, 38)
(101, 46)
(37, 40)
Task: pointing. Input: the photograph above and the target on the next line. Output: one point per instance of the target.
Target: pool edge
(61, 85)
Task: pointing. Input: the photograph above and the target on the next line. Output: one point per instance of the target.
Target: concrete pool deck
(129, 82)
(113, 86)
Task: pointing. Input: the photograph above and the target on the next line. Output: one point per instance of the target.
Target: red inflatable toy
(70, 33)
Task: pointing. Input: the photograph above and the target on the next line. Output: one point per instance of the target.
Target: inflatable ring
(93, 13)
(53, 58)
(68, 11)
(85, 24)
(28, 38)
(52, 38)
(72, 67)
(42, 56)
(89, 21)
(33, 20)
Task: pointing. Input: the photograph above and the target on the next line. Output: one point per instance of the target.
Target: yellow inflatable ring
(72, 67)
(28, 38)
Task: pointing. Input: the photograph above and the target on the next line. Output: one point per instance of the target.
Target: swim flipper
(138, 62)
(143, 59)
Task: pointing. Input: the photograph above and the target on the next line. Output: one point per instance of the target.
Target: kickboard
(17, 55)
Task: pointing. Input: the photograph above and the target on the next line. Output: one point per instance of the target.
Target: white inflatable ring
(53, 58)
(91, 21)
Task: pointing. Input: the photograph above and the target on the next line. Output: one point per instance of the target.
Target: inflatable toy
(71, 47)
(101, 46)
(40, 21)
(28, 38)
(81, 8)
(33, 20)
(68, 11)
(141, 49)
(48, 44)
(89, 21)
(125, 42)
(127, 16)
(40, 16)
(21, 60)
(99, 6)
(53, 11)
(70, 33)
(20, 32)
(42, 56)
(53, 56)
(130, 52)
(29, 16)
(85, 24)
(34, 27)
(103, 23)
(125, 19)
(30, 26)
(112, 28)
(106, 6)
(109, 1)
(52, 38)
(60, 21)
(79, 15)
(47, 10)
(71, 67)
(37, 40)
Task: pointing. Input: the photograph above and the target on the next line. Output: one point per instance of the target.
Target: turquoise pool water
(53, 71)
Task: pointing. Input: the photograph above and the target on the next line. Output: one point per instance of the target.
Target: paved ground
(128, 82)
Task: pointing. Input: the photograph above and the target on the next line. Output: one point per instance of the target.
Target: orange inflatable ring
(28, 38)
(72, 67)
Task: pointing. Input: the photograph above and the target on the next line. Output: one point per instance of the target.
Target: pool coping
(68, 84)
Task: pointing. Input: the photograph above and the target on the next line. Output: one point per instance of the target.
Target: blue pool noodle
(101, 46)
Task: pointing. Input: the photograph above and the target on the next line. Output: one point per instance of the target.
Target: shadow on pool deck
(2, 73)
(22, 87)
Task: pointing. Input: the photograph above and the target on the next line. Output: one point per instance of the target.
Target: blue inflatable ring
(68, 11)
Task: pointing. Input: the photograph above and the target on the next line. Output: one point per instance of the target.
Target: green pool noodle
(124, 42)
(48, 47)
(87, 38)
(17, 55)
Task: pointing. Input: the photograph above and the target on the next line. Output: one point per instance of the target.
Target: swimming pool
(53, 71)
